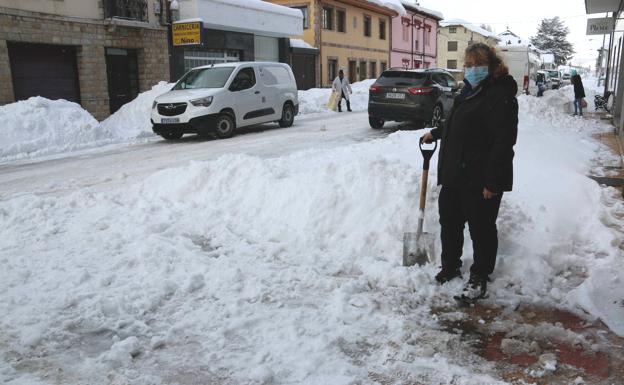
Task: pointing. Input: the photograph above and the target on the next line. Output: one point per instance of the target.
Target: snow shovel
(418, 246)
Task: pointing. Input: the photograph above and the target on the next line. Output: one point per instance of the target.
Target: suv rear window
(402, 78)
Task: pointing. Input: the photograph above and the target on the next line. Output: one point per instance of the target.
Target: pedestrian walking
(475, 165)
(579, 94)
(341, 85)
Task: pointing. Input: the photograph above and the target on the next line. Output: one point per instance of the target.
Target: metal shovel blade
(418, 248)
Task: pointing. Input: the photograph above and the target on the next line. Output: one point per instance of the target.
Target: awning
(602, 6)
(251, 16)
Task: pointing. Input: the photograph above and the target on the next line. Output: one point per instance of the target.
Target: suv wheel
(171, 135)
(375, 123)
(288, 116)
(225, 126)
(436, 118)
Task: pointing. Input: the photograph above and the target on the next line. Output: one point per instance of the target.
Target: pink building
(414, 37)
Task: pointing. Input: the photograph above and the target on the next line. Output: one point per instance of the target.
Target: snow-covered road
(117, 164)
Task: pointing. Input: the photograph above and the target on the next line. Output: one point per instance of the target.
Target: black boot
(348, 106)
(446, 275)
(475, 289)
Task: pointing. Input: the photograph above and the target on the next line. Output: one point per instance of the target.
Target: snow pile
(132, 120)
(469, 26)
(315, 99)
(414, 5)
(39, 126)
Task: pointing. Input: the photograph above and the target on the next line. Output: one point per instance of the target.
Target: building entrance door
(123, 77)
(304, 70)
(352, 71)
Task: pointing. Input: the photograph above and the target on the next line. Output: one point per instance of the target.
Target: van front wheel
(288, 116)
(225, 126)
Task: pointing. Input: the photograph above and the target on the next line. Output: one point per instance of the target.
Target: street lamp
(174, 7)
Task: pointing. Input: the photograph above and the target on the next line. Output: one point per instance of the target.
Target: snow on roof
(509, 38)
(412, 5)
(468, 25)
(259, 5)
(299, 43)
(394, 5)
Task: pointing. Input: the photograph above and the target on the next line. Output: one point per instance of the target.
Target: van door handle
(257, 92)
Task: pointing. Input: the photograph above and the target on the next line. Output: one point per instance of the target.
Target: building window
(354, 22)
(328, 18)
(126, 9)
(373, 70)
(384, 66)
(341, 21)
(406, 28)
(416, 45)
(452, 46)
(306, 16)
(427, 34)
(405, 63)
(452, 29)
(427, 64)
(416, 64)
(367, 25)
(363, 70)
(194, 58)
(332, 69)
(382, 29)
(451, 64)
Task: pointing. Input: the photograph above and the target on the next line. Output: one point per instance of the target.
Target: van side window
(272, 75)
(245, 79)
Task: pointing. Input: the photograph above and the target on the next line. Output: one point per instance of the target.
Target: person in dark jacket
(475, 165)
(579, 94)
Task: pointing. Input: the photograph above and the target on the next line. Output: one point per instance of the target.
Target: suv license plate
(395, 95)
(169, 120)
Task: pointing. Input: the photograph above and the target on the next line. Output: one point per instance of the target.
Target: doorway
(352, 71)
(123, 76)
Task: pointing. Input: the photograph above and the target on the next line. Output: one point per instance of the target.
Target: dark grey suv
(418, 96)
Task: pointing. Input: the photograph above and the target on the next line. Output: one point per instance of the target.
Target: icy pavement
(285, 268)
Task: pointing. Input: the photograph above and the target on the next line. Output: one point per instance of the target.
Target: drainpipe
(412, 40)
(422, 61)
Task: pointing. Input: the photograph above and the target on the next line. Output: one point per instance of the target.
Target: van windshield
(402, 78)
(214, 77)
(553, 74)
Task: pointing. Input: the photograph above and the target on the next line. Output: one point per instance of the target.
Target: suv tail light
(420, 90)
(374, 89)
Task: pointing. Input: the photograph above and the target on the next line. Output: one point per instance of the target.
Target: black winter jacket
(478, 138)
(579, 90)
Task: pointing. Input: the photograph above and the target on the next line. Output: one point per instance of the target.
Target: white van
(222, 97)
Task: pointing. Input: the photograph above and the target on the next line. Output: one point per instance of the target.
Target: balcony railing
(126, 9)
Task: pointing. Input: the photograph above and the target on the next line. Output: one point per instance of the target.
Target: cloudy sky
(523, 17)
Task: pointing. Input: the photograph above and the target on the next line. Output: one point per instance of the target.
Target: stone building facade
(115, 58)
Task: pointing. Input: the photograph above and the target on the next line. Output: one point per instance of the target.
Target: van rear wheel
(288, 116)
(225, 126)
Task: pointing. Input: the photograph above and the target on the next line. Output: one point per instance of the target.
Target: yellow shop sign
(187, 33)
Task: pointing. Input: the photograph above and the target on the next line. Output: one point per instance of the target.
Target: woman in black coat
(579, 94)
(475, 165)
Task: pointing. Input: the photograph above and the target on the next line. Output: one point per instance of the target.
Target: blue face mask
(475, 75)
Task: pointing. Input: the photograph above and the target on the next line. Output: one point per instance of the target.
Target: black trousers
(458, 205)
(342, 96)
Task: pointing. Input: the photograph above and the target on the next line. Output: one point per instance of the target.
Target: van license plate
(395, 95)
(169, 120)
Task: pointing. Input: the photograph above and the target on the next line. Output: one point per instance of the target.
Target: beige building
(352, 35)
(99, 53)
(454, 36)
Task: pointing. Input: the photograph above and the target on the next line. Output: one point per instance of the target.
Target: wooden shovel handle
(423, 189)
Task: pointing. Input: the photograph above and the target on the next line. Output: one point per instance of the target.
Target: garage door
(44, 70)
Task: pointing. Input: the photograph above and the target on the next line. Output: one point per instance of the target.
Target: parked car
(555, 79)
(419, 96)
(565, 79)
(220, 98)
